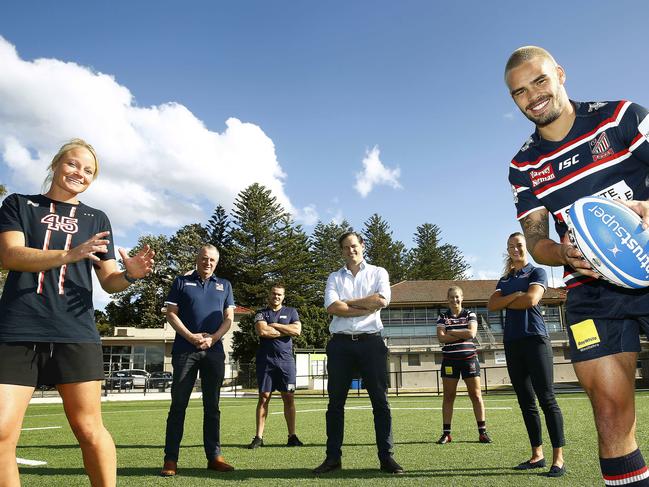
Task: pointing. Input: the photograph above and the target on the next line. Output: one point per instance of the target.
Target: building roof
(475, 291)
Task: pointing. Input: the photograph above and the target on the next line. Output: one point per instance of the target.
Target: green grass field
(138, 429)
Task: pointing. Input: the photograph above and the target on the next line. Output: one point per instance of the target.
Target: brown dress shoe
(219, 464)
(169, 468)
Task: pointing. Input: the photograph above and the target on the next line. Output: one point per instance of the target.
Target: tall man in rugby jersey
(580, 149)
(276, 325)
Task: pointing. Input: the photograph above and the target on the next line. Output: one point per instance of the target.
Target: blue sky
(189, 102)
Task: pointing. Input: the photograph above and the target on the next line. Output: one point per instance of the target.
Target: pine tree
(218, 231)
(430, 260)
(381, 250)
(326, 253)
(294, 264)
(255, 216)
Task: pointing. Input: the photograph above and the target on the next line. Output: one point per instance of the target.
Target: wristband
(131, 280)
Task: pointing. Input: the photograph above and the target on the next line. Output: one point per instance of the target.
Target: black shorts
(604, 319)
(452, 369)
(47, 364)
(276, 376)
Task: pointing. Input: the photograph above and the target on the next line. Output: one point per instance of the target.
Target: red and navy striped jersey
(54, 305)
(459, 349)
(606, 153)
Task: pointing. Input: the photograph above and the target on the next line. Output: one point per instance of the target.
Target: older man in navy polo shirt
(200, 307)
(354, 295)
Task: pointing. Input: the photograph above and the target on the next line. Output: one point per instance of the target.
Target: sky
(342, 108)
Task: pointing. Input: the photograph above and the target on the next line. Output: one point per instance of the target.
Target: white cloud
(375, 173)
(156, 163)
(509, 116)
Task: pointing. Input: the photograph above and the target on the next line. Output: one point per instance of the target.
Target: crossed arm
(517, 300)
(275, 330)
(357, 307)
(449, 336)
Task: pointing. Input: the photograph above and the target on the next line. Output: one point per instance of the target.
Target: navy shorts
(276, 376)
(604, 319)
(452, 369)
(48, 364)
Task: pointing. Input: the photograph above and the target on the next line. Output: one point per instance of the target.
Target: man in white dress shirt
(354, 296)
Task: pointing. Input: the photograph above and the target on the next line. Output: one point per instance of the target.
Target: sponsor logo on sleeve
(259, 317)
(543, 175)
(585, 335)
(527, 144)
(600, 147)
(596, 106)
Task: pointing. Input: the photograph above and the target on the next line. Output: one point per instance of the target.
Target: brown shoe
(169, 469)
(219, 465)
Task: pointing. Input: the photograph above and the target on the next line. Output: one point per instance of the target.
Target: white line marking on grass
(43, 428)
(393, 409)
(24, 461)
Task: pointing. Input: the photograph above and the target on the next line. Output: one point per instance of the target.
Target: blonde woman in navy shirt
(50, 243)
(529, 352)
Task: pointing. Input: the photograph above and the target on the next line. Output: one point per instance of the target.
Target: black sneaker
(484, 438)
(329, 465)
(389, 465)
(256, 443)
(293, 440)
(444, 439)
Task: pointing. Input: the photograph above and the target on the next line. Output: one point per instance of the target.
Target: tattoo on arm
(535, 228)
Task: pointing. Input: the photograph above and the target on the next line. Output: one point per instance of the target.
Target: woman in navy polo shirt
(529, 352)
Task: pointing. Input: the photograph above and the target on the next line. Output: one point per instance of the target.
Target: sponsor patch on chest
(543, 175)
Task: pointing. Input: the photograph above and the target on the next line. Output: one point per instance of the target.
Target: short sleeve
(635, 131)
(174, 293)
(540, 277)
(441, 321)
(259, 316)
(229, 300)
(104, 225)
(294, 316)
(331, 292)
(472, 316)
(10, 214)
(383, 284)
(499, 285)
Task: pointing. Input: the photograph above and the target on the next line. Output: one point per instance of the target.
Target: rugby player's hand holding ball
(612, 237)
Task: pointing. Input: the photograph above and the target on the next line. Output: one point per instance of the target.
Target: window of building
(414, 360)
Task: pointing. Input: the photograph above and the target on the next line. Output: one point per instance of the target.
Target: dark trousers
(186, 366)
(368, 355)
(530, 366)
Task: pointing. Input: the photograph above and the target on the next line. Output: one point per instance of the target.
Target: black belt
(357, 336)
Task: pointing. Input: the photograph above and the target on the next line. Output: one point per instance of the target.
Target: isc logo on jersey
(612, 240)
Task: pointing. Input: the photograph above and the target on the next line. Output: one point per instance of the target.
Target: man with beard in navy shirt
(276, 325)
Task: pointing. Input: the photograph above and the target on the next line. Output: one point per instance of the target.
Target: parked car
(121, 379)
(140, 377)
(160, 380)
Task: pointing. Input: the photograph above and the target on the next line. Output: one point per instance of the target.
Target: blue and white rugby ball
(612, 240)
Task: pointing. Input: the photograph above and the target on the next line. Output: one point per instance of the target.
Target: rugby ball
(612, 240)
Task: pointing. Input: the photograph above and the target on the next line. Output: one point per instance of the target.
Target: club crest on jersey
(543, 175)
(219, 286)
(596, 106)
(600, 147)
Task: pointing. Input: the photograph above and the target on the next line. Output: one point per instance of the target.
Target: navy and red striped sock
(482, 427)
(446, 428)
(629, 470)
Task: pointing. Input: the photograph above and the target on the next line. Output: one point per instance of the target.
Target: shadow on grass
(286, 473)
